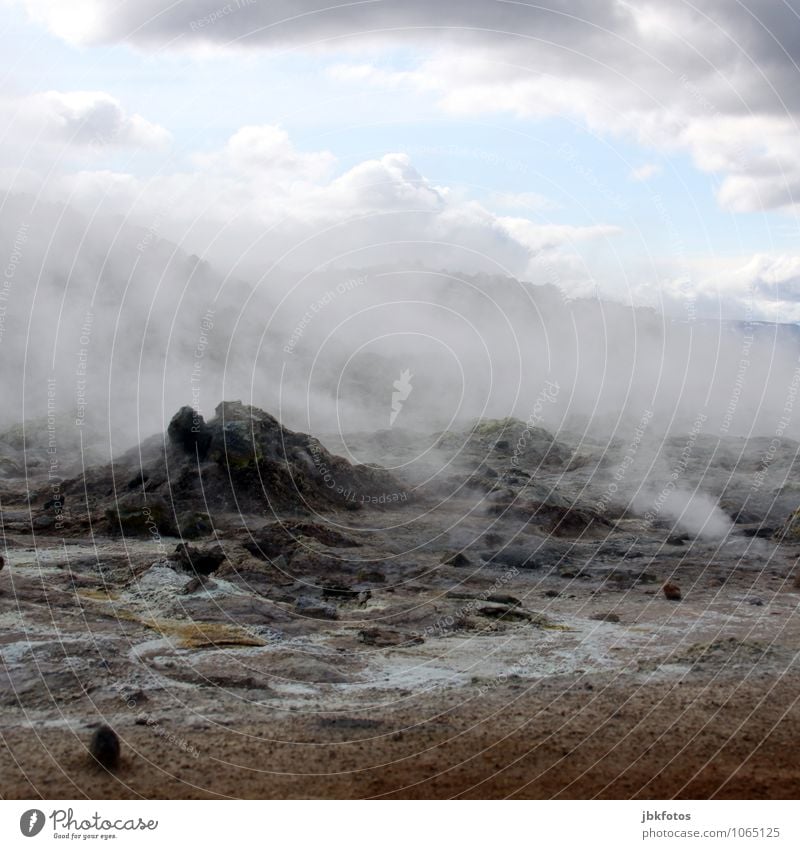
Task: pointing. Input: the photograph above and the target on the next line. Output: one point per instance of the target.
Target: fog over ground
(153, 328)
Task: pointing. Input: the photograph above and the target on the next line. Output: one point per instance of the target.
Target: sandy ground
(556, 739)
(693, 699)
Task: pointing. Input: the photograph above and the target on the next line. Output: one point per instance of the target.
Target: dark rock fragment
(201, 561)
(188, 431)
(605, 617)
(458, 559)
(104, 747)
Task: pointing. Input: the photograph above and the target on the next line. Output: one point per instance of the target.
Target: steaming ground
(467, 612)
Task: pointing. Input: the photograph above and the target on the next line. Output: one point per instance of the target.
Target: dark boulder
(458, 559)
(283, 538)
(133, 514)
(104, 747)
(200, 561)
(194, 525)
(188, 431)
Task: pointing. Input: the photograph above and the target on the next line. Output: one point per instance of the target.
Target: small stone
(458, 559)
(504, 598)
(194, 585)
(605, 617)
(672, 591)
(104, 747)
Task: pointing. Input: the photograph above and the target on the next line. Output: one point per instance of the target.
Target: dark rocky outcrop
(241, 462)
(188, 431)
(192, 525)
(284, 538)
(136, 514)
(200, 561)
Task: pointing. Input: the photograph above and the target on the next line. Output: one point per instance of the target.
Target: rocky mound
(523, 445)
(243, 461)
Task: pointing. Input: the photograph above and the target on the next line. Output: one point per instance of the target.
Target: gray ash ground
(257, 615)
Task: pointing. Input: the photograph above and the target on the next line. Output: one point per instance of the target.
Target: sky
(644, 151)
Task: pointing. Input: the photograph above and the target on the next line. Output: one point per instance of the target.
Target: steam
(126, 326)
(696, 513)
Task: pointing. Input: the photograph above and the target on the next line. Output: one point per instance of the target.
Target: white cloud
(540, 237)
(645, 172)
(266, 152)
(759, 287)
(755, 152)
(78, 22)
(720, 83)
(260, 199)
(92, 120)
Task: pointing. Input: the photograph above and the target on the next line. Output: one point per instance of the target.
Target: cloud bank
(716, 81)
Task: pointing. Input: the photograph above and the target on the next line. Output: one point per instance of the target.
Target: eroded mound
(242, 462)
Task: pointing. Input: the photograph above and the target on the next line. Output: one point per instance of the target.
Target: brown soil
(682, 739)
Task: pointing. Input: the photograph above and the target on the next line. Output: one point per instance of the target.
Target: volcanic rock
(243, 461)
(458, 559)
(104, 747)
(135, 514)
(283, 538)
(201, 561)
(193, 525)
(605, 617)
(188, 431)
